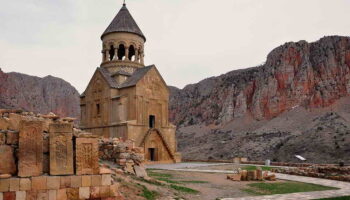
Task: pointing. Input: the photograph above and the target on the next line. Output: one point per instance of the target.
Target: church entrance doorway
(152, 154)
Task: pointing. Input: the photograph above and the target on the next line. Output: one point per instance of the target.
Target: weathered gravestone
(87, 156)
(61, 149)
(30, 156)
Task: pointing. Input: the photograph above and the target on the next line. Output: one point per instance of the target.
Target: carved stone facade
(125, 99)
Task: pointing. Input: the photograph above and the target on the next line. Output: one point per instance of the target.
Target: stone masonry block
(39, 183)
(21, 195)
(61, 128)
(4, 185)
(62, 194)
(106, 179)
(95, 193)
(86, 181)
(43, 195)
(2, 138)
(75, 181)
(84, 192)
(9, 195)
(105, 191)
(14, 184)
(32, 195)
(1, 196)
(73, 193)
(53, 182)
(25, 184)
(52, 194)
(12, 137)
(96, 180)
(65, 181)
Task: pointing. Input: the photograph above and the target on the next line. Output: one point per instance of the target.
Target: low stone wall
(327, 172)
(58, 187)
(44, 157)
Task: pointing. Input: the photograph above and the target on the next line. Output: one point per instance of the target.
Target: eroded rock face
(312, 75)
(40, 95)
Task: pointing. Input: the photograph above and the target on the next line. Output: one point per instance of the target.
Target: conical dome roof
(124, 22)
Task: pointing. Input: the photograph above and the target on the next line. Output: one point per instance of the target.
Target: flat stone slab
(7, 160)
(87, 156)
(30, 157)
(61, 149)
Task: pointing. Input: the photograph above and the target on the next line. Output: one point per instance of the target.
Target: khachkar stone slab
(87, 156)
(30, 156)
(61, 149)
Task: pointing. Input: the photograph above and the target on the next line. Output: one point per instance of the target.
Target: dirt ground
(216, 186)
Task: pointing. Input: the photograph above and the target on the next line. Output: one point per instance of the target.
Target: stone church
(125, 98)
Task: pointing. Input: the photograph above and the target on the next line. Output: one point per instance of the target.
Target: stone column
(137, 56)
(107, 54)
(116, 53)
(126, 53)
(103, 55)
(141, 58)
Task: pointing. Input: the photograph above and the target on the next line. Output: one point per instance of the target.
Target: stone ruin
(45, 157)
(124, 154)
(251, 175)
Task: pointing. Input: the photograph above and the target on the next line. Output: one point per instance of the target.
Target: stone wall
(44, 157)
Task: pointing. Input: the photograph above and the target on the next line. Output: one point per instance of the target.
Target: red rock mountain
(312, 75)
(297, 103)
(41, 95)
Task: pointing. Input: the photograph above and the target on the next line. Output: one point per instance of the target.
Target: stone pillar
(126, 53)
(141, 57)
(103, 55)
(107, 54)
(116, 53)
(137, 56)
(61, 149)
(87, 156)
(30, 156)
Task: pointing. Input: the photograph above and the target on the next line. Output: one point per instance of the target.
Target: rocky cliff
(292, 104)
(41, 95)
(308, 74)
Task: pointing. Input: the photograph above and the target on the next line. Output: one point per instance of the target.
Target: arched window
(111, 52)
(121, 52)
(131, 53)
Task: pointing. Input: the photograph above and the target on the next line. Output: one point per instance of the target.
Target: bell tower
(123, 44)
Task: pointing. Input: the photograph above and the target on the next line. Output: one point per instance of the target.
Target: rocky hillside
(253, 112)
(309, 74)
(41, 95)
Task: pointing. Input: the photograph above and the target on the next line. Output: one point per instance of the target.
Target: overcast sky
(188, 40)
